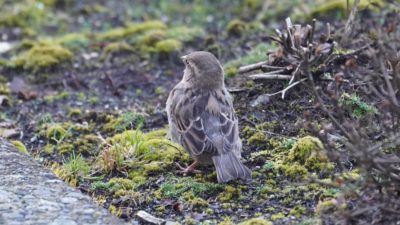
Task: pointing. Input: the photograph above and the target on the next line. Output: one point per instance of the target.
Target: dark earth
(83, 86)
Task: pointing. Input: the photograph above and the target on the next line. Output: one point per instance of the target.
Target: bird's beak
(183, 58)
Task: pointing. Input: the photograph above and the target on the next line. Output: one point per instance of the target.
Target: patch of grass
(72, 170)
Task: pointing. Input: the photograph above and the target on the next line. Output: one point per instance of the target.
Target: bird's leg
(188, 169)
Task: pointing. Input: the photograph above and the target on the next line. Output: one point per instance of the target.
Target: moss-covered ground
(83, 90)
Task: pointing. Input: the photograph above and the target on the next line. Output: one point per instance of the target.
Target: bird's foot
(187, 169)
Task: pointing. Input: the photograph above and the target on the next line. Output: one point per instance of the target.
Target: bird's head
(203, 70)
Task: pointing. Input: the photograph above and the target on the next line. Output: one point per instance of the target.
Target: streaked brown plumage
(202, 119)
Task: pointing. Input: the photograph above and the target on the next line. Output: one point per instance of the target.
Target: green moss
(58, 97)
(152, 37)
(93, 100)
(325, 206)
(87, 144)
(123, 122)
(190, 221)
(277, 216)
(160, 90)
(20, 146)
(131, 30)
(4, 89)
(48, 149)
(138, 176)
(116, 185)
(273, 125)
(256, 221)
(257, 138)
(341, 7)
(197, 202)
(42, 55)
(174, 188)
(229, 193)
(65, 148)
(55, 131)
(297, 211)
(74, 41)
(184, 34)
(3, 79)
(231, 71)
(153, 167)
(236, 27)
(116, 47)
(309, 152)
(248, 132)
(26, 15)
(73, 112)
(168, 46)
(295, 171)
(134, 149)
(227, 221)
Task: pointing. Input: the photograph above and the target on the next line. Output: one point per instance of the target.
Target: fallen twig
(267, 76)
(287, 88)
(255, 66)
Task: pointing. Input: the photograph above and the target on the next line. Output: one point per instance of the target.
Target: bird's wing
(205, 121)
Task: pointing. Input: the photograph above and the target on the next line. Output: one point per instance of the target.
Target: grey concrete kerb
(31, 194)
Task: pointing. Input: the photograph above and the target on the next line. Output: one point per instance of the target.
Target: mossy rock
(42, 55)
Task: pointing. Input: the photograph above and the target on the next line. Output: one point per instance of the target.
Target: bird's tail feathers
(229, 167)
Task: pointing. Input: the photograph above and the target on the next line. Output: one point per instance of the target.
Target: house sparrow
(202, 119)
